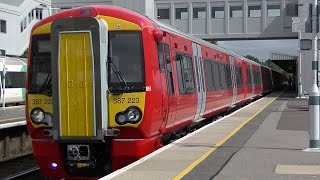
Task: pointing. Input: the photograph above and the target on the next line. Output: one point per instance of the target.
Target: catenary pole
(314, 100)
(4, 82)
(299, 70)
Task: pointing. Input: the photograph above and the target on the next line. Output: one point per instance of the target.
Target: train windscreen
(40, 65)
(125, 65)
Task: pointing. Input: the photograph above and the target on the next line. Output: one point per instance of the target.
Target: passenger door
(199, 81)
(233, 80)
(79, 74)
(167, 85)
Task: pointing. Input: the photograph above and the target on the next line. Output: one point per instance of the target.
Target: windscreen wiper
(46, 87)
(119, 75)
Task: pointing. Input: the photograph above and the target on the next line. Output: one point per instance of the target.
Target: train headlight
(37, 116)
(134, 114)
(131, 115)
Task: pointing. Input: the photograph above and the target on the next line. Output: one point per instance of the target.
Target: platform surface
(264, 140)
(12, 114)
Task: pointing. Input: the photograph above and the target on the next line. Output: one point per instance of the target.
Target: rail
(19, 168)
(19, 175)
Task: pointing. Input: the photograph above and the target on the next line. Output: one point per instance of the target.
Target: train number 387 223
(41, 101)
(125, 100)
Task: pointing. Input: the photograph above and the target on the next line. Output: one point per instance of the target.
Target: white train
(15, 77)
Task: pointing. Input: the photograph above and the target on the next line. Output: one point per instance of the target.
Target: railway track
(21, 168)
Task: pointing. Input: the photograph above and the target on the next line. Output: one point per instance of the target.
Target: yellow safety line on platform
(206, 154)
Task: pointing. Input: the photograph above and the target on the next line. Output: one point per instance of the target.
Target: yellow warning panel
(76, 84)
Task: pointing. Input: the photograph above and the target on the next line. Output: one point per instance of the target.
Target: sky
(261, 48)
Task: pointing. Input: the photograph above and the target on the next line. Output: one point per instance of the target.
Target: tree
(253, 58)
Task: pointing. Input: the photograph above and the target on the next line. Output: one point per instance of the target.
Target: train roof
(13, 61)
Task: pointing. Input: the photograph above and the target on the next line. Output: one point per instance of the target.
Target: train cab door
(166, 75)
(233, 80)
(201, 102)
(79, 68)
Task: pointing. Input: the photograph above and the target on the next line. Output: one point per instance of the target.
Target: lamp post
(3, 56)
(314, 95)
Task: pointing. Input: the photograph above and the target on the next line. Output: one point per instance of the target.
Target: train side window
(237, 76)
(228, 75)
(248, 77)
(185, 74)
(240, 76)
(255, 77)
(188, 74)
(222, 76)
(179, 59)
(208, 75)
(161, 57)
(169, 69)
(216, 76)
(259, 77)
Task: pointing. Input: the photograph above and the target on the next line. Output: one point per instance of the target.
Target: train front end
(86, 93)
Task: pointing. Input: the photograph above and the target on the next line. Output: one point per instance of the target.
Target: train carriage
(107, 86)
(13, 79)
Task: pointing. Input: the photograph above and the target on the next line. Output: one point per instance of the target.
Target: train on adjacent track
(107, 86)
(12, 81)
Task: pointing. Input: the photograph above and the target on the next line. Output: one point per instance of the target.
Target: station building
(207, 19)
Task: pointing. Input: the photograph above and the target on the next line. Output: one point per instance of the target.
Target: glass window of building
(163, 13)
(199, 13)
(217, 12)
(3, 26)
(29, 17)
(292, 10)
(236, 11)
(39, 14)
(181, 13)
(273, 10)
(254, 11)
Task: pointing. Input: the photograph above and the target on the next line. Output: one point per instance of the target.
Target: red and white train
(107, 86)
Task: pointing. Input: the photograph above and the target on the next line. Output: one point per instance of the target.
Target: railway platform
(12, 116)
(266, 140)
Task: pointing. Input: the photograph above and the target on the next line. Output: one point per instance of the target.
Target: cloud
(261, 48)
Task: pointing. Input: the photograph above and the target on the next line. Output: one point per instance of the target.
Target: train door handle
(70, 83)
